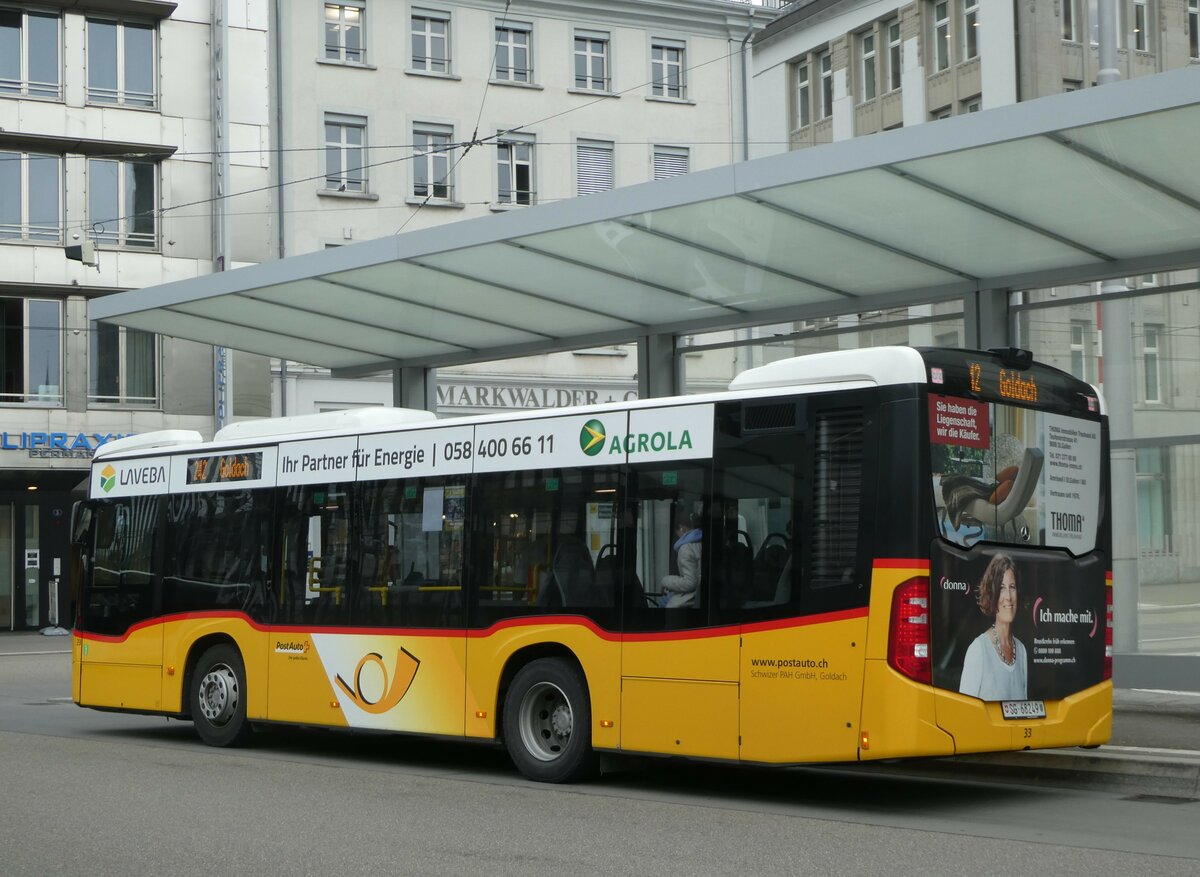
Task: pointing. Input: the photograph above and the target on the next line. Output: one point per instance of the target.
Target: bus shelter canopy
(1066, 189)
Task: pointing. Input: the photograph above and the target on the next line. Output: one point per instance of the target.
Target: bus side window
(123, 569)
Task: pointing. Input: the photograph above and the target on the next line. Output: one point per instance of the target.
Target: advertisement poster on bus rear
(1008, 624)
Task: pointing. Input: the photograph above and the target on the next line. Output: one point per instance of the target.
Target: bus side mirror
(81, 522)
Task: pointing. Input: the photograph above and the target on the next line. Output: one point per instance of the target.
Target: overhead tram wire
(478, 141)
(474, 141)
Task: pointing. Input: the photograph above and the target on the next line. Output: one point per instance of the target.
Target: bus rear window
(1014, 475)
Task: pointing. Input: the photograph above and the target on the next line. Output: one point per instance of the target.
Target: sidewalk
(1155, 747)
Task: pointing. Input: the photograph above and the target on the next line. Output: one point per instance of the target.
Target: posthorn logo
(591, 438)
(108, 478)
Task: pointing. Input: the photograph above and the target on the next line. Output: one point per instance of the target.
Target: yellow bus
(847, 556)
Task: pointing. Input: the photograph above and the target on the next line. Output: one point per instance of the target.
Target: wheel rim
(545, 721)
(218, 694)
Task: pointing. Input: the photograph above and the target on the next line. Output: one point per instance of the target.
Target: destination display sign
(254, 467)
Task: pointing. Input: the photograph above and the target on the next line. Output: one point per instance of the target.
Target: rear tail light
(1108, 632)
(908, 637)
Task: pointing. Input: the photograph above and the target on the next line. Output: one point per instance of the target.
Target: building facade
(397, 117)
(107, 139)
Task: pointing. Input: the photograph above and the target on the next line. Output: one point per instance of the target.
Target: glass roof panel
(343, 306)
(406, 282)
(903, 214)
(1035, 179)
(1158, 156)
(704, 278)
(780, 240)
(624, 302)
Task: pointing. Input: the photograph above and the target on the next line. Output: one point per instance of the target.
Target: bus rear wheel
(218, 697)
(548, 722)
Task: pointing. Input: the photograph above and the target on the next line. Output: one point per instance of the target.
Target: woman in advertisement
(995, 666)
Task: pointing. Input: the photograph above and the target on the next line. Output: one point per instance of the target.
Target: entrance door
(7, 590)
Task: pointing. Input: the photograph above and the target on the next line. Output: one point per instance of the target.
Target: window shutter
(595, 167)
(670, 163)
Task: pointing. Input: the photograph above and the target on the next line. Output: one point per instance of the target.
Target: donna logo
(591, 438)
(108, 478)
(381, 693)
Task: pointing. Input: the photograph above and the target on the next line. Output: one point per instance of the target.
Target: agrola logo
(377, 699)
(591, 438)
(108, 478)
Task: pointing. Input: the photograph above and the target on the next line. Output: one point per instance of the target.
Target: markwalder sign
(509, 396)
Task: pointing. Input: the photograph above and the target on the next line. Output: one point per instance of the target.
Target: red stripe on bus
(902, 563)
(528, 621)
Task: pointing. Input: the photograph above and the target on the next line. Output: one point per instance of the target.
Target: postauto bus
(846, 556)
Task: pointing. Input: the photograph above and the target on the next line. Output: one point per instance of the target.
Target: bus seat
(768, 563)
(572, 570)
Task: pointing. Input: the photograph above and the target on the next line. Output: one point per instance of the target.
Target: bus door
(121, 659)
(679, 673)
(789, 475)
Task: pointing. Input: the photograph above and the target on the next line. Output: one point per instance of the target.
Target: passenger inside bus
(683, 589)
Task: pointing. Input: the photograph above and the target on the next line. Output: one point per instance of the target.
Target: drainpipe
(746, 89)
(279, 190)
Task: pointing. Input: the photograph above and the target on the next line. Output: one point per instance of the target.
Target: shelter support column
(658, 371)
(415, 388)
(985, 319)
(1116, 339)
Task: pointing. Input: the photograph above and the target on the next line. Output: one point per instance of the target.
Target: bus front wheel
(547, 722)
(218, 697)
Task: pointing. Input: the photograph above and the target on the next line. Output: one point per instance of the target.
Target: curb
(1172, 773)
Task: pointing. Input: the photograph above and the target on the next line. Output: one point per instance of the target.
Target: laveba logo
(393, 689)
(591, 438)
(108, 478)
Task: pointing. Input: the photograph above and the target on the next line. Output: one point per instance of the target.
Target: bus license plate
(1023, 709)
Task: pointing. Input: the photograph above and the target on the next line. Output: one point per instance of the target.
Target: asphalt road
(89, 793)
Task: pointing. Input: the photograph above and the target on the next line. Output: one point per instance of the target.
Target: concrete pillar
(415, 388)
(1116, 340)
(658, 371)
(985, 319)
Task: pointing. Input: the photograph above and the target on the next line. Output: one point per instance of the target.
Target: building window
(120, 63)
(866, 66)
(1071, 85)
(123, 202)
(1079, 345)
(345, 153)
(970, 25)
(939, 114)
(31, 350)
(433, 161)
(670, 161)
(30, 197)
(825, 61)
(941, 35)
(1070, 21)
(1194, 28)
(1154, 499)
(666, 69)
(514, 167)
(431, 41)
(29, 50)
(593, 166)
(513, 47)
(803, 95)
(972, 105)
(1151, 341)
(894, 68)
(123, 366)
(591, 61)
(344, 31)
(1141, 37)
